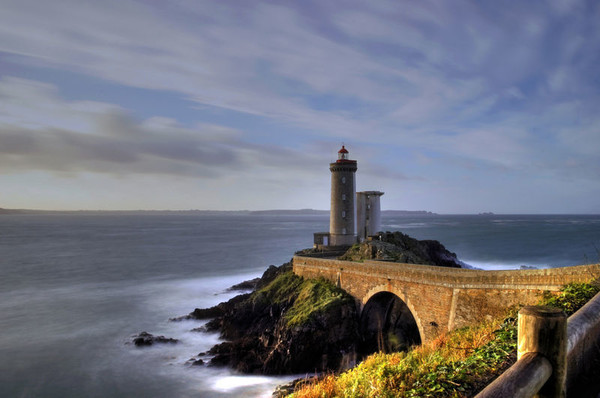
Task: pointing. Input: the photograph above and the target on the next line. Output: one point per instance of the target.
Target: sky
(448, 106)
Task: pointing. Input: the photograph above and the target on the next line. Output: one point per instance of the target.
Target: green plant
(571, 297)
(456, 364)
(315, 296)
(283, 289)
(304, 299)
(447, 367)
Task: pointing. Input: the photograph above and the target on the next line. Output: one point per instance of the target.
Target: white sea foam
(250, 386)
(230, 383)
(499, 266)
(400, 227)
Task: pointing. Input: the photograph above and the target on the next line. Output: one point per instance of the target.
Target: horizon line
(424, 212)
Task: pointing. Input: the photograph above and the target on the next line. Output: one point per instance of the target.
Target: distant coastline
(281, 212)
(123, 212)
(276, 212)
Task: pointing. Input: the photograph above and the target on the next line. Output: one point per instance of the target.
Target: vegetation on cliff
(292, 325)
(453, 365)
(316, 298)
(305, 299)
(572, 296)
(287, 325)
(457, 364)
(401, 248)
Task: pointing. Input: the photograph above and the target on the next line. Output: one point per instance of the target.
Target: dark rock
(222, 354)
(219, 310)
(401, 248)
(198, 362)
(212, 312)
(201, 329)
(147, 339)
(271, 273)
(246, 285)
(262, 341)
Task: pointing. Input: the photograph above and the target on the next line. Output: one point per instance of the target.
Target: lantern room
(342, 154)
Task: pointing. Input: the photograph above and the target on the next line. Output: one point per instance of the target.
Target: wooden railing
(554, 354)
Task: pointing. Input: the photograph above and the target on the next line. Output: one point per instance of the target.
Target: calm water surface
(74, 288)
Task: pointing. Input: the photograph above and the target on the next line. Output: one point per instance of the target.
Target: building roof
(343, 156)
(370, 193)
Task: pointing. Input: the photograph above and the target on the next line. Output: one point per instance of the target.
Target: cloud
(76, 137)
(417, 62)
(500, 88)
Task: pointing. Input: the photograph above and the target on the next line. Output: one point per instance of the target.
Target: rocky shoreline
(285, 324)
(267, 332)
(288, 325)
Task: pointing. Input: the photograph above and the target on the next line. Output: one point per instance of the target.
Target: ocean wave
(500, 266)
(257, 386)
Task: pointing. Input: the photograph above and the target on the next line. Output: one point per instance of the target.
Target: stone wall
(443, 298)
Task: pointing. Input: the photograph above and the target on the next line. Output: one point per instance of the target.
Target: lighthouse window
(343, 196)
(344, 231)
(343, 213)
(343, 180)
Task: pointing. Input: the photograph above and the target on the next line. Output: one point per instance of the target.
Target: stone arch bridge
(435, 299)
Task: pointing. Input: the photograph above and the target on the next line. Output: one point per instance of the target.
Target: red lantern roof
(343, 156)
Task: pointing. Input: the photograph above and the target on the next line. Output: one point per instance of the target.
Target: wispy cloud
(509, 88)
(41, 131)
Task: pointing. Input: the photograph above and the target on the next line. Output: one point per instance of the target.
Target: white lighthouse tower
(342, 219)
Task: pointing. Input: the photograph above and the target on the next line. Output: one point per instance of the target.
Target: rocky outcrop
(212, 312)
(265, 341)
(289, 325)
(147, 339)
(220, 309)
(246, 285)
(401, 248)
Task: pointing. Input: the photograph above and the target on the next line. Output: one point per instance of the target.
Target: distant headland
(276, 212)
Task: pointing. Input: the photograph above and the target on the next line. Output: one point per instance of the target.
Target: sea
(75, 288)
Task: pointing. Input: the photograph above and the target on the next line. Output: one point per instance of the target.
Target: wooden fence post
(544, 330)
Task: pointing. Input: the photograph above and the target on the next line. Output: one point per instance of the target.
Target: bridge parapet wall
(442, 298)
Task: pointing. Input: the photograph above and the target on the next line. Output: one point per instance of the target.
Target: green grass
(304, 299)
(571, 297)
(316, 296)
(353, 254)
(447, 367)
(283, 289)
(457, 364)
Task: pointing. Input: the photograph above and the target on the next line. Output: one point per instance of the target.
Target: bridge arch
(442, 298)
(388, 322)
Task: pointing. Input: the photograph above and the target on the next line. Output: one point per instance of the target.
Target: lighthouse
(342, 219)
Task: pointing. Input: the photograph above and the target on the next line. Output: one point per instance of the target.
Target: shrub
(571, 297)
(446, 367)
(304, 298)
(456, 364)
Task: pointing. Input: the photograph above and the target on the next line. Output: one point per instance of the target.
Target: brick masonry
(442, 298)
